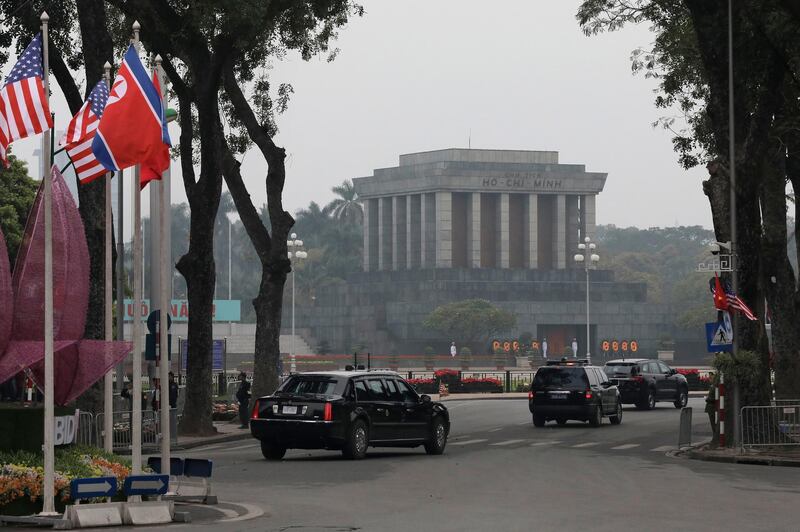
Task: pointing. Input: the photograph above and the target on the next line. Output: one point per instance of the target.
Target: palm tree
(346, 207)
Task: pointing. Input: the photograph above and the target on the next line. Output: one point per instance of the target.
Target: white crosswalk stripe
(625, 446)
(467, 442)
(507, 442)
(588, 444)
(548, 442)
(664, 448)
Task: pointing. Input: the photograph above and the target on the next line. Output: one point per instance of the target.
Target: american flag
(735, 303)
(24, 110)
(80, 134)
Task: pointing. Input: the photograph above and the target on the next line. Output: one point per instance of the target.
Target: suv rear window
(561, 377)
(619, 370)
(310, 386)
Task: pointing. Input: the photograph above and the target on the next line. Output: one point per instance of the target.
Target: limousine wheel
(355, 447)
(438, 439)
(272, 451)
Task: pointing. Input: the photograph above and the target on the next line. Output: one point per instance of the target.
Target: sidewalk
(226, 431)
(510, 395)
(773, 457)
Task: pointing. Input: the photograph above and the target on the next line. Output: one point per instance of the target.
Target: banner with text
(223, 310)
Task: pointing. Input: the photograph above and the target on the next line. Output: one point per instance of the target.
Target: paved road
(501, 473)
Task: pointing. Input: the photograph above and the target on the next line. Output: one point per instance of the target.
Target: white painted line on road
(507, 442)
(589, 444)
(548, 442)
(625, 446)
(495, 430)
(468, 442)
(523, 423)
(664, 448)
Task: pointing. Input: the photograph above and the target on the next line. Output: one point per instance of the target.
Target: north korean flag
(133, 129)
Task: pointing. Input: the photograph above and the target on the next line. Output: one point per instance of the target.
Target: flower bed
(22, 476)
(696, 380)
(485, 385)
(424, 385)
(224, 411)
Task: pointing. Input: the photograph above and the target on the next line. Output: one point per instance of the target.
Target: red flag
(159, 162)
(720, 299)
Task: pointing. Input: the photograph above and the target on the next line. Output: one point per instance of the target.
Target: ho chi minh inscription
(521, 181)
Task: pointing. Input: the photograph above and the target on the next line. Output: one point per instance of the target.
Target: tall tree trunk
(270, 248)
(198, 268)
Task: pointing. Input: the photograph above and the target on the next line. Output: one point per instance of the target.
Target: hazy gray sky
(518, 74)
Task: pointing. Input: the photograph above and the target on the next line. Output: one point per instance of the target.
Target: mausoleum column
(427, 230)
(399, 234)
(444, 229)
(367, 230)
(502, 231)
(385, 233)
(560, 230)
(588, 215)
(532, 232)
(474, 230)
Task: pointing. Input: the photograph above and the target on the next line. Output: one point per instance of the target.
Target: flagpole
(164, 303)
(48, 490)
(108, 392)
(136, 443)
(120, 276)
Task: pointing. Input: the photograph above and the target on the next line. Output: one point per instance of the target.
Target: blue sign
(146, 485)
(217, 355)
(175, 465)
(198, 467)
(88, 488)
(719, 337)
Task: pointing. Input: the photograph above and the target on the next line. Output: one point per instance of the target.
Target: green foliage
(346, 207)
(745, 369)
(470, 320)
(17, 192)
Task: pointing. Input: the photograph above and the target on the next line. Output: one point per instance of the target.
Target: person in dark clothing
(126, 393)
(711, 410)
(173, 391)
(243, 397)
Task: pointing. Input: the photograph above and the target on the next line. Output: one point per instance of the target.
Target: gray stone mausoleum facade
(500, 225)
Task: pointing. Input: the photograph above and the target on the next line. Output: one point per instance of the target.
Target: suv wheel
(616, 419)
(683, 398)
(438, 439)
(597, 417)
(272, 451)
(651, 399)
(355, 448)
(538, 420)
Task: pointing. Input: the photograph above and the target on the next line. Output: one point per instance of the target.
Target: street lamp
(295, 252)
(589, 259)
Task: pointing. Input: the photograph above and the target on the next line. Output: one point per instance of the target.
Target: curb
(696, 453)
(454, 397)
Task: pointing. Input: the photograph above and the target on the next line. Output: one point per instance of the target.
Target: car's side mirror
(672, 371)
(424, 398)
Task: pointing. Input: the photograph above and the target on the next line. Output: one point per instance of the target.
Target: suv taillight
(254, 413)
(588, 394)
(328, 412)
(638, 378)
(531, 394)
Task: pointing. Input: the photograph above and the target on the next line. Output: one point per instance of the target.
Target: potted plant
(429, 358)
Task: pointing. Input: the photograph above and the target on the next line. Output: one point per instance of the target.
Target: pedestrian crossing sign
(719, 335)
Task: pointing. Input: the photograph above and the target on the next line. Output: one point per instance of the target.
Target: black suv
(644, 382)
(573, 389)
(348, 411)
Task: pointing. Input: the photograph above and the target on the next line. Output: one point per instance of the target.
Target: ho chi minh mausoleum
(500, 225)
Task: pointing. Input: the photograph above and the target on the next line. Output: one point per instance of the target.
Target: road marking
(548, 442)
(507, 442)
(468, 442)
(664, 448)
(590, 444)
(625, 446)
(523, 423)
(495, 430)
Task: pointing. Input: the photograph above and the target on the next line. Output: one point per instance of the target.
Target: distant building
(501, 225)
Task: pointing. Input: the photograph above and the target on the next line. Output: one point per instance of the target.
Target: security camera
(717, 247)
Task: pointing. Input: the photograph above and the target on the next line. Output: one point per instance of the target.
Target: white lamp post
(589, 259)
(296, 253)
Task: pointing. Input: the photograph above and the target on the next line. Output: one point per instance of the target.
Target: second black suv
(644, 382)
(348, 411)
(573, 389)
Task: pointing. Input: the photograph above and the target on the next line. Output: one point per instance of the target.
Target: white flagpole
(108, 391)
(164, 303)
(48, 491)
(136, 443)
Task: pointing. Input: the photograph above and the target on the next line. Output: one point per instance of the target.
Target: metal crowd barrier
(513, 380)
(151, 429)
(86, 430)
(777, 425)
